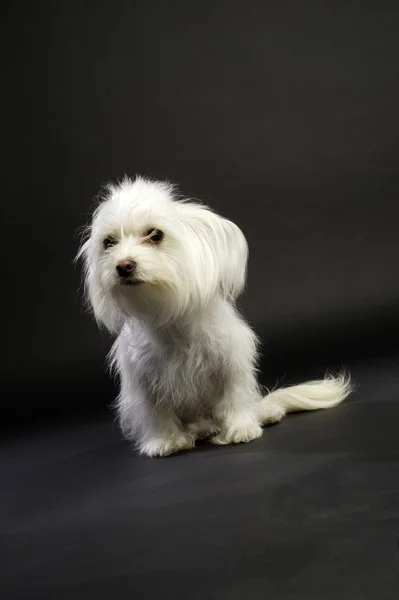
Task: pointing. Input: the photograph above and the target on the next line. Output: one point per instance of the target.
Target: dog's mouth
(130, 282)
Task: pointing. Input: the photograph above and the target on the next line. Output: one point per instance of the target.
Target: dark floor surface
(309, 511)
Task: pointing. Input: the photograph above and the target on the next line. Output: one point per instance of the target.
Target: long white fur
(185, 356)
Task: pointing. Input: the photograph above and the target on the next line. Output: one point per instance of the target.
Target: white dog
(164, 274)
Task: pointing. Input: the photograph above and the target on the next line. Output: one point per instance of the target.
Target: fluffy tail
(312, 395)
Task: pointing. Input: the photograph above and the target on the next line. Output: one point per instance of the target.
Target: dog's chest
(188, 375)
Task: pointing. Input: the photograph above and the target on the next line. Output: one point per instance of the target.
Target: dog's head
(149, 254)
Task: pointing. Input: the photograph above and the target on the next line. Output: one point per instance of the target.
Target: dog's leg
(155, 430)
(162, 434)
(237, 417)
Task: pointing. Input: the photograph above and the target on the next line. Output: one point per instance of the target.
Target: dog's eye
(109, 241)
(155, 235)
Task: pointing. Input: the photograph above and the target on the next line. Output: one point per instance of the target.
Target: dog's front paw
(202, 429)
(238, 435)
(165, 447)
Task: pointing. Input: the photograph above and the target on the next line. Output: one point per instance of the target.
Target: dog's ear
(222, 260)
(234, 272)
(102, 306)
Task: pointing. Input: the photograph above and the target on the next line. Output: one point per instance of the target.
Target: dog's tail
(313, 395)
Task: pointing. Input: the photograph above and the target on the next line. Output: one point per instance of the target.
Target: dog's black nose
(125, 268)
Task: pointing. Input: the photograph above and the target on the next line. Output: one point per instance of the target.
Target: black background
(283, 116)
